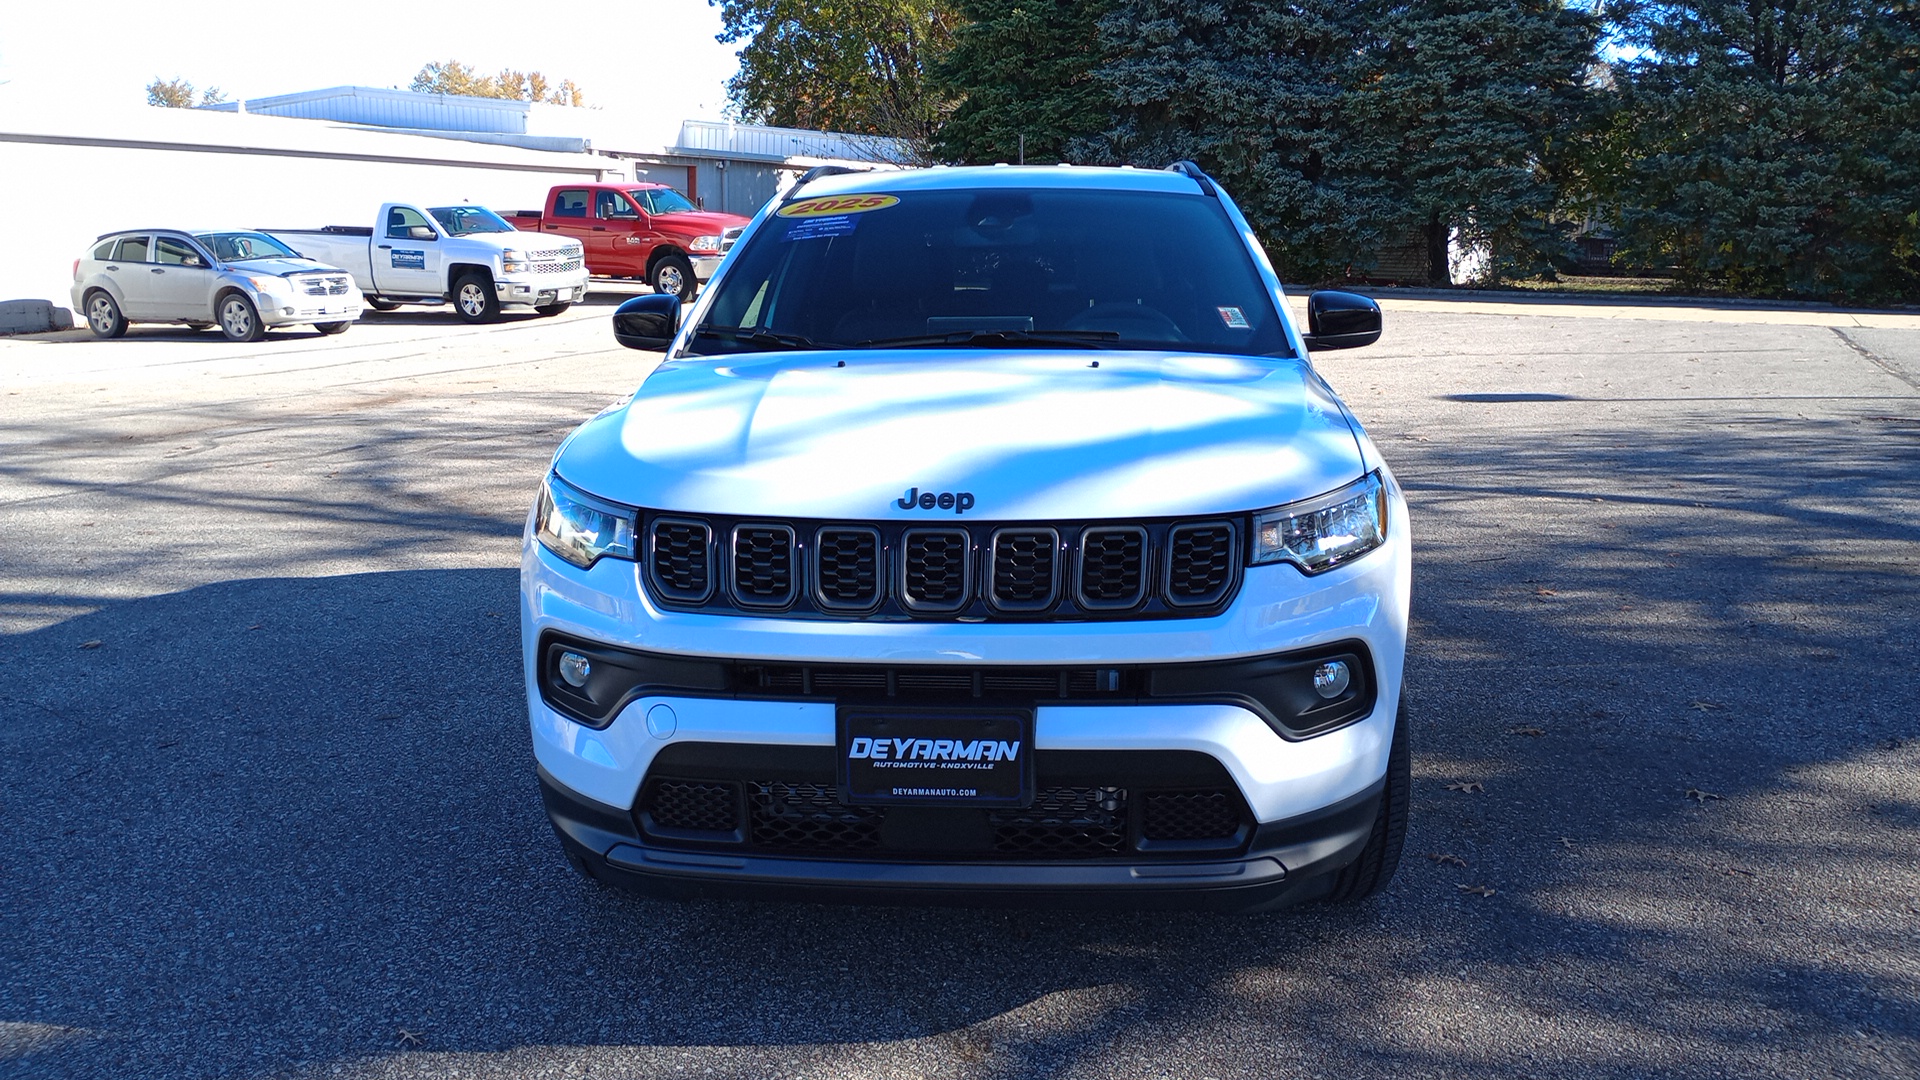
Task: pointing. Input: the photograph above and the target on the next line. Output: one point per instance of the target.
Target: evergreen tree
(1022, 71)
(1466, 113)
(1258, 94)
(1775, 146)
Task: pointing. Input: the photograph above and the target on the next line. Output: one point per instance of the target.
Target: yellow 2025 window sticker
(836, 204)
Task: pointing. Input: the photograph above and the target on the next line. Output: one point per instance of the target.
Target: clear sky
(654, 55)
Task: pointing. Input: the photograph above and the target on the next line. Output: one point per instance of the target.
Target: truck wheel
(382, 305)
(332, 327)
(474, 300)
(673, 274)
(1370, 873)
(103, 316)
(239, 320)
(552, 309)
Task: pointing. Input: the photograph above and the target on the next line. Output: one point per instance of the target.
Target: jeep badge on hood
(957, 501)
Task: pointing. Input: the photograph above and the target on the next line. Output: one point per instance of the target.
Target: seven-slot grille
(1156, 570)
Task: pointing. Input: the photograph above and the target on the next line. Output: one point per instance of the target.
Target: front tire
(674, 275)
(474, 300)
(331, 328)
(239, 319)
(103, 316)
(552, 309)
(1371, 872)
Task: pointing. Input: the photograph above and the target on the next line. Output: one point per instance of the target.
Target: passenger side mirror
(647, 322)
(1341, 320)
(419, 232)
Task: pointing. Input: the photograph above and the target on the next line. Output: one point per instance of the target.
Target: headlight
(512, 261)
(704, 243)
(1323, 532)
(276, 285)
(580, 528)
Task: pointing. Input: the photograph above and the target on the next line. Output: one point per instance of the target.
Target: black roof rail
(1188, 168)
(816, 173)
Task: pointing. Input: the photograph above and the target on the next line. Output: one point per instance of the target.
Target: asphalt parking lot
(270, 808)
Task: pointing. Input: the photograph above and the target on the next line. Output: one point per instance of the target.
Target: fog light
(575, 669)
(1329, 680)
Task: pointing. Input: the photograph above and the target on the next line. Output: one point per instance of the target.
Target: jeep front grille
(849, 568)
(1113, 567)
(936, 570)
(763, 565)
(914, 570)
(678, 564)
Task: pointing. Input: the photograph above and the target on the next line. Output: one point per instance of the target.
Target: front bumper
(705, 266)
(303, 310)
(1283, 862)
(541, 290)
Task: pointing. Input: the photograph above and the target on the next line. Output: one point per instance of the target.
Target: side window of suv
(171, 252)
(102, 251)
(132, 249)
(402, 220)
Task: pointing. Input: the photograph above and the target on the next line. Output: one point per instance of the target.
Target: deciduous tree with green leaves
(860, 66)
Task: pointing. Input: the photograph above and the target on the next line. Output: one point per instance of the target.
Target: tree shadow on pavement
(289, 826)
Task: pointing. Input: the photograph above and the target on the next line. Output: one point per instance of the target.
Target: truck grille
(562, 266)
(996, 572)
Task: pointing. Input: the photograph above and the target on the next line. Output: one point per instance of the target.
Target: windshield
(466, 220)
(243, 246)
(1001, 268)
(665, 200)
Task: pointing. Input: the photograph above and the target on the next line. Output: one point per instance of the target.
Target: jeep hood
(1031, 435)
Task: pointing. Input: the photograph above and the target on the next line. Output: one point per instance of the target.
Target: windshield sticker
(1234, 319)
(409, 260)
(821, 228)
(836, 204)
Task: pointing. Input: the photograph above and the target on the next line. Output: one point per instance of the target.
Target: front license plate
(945, 758)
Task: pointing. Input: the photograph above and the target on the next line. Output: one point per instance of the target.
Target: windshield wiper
(1084, 339)
(754, 335)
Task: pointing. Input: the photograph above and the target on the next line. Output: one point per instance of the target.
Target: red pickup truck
(647, 231)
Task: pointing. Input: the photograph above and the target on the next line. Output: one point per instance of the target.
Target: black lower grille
(1064, 823)
(1189, 815)
(692, 805)
(808, 817)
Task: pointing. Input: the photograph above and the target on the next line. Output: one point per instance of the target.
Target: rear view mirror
(1341, 320)
(647, 322)
(419, 232)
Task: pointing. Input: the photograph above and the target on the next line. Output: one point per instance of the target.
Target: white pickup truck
(468, 255)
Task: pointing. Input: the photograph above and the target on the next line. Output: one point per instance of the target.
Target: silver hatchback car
(246, 283)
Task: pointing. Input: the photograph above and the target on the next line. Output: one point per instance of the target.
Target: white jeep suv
(986, 533)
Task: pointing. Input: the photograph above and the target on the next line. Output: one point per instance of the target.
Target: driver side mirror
(420, 232)
(647, 322)
(1341, 320)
